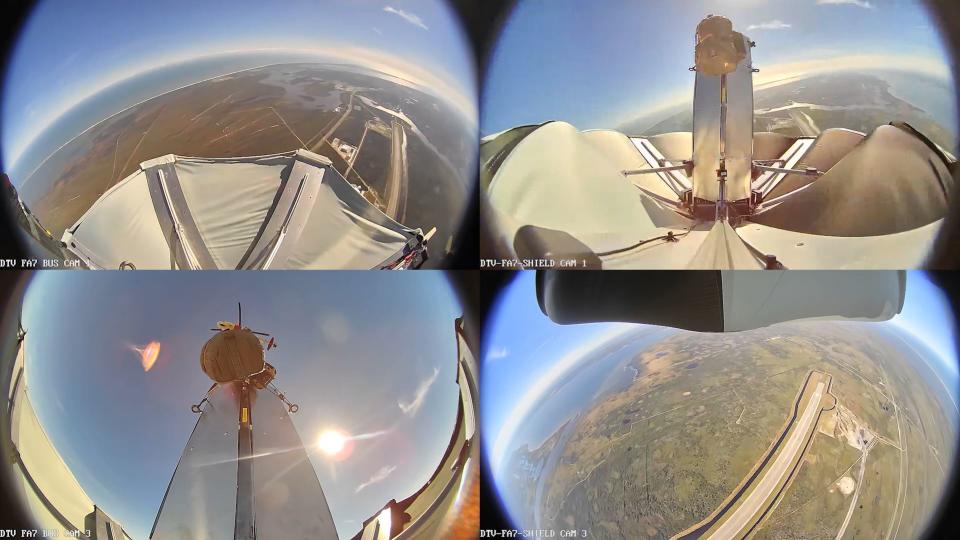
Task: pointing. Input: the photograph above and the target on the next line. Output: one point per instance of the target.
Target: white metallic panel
(739, 133)
(200, 503)
(289, 500)
(757, 299)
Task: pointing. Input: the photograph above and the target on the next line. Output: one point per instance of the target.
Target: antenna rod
(239, 315)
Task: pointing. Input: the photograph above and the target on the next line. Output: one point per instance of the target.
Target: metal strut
(721, 208)
(245, 523)
(196, 408)
(292, 407)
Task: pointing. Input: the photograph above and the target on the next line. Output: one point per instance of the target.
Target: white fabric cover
(675, 146)
(560, 179)
(557, 178)
(890, 182)
(722, 249)
(122, 226)
(799, 251)
(340, 238)
(229, 202)
(623, 155)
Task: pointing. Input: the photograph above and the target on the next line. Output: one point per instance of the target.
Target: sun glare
(332, 442)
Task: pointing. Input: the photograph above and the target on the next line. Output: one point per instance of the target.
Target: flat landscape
(407, 152)
(808, 105)
(801, 430)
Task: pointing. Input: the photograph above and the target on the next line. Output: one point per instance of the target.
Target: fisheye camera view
(238, 405)
(729, 404)
(718, 134)
(240, 135)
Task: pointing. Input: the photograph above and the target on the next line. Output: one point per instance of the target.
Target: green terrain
(660, 454)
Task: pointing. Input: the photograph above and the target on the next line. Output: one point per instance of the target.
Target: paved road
(743, 516)
(326, 136)
(396, 190)
(806, 124)
(856, 494)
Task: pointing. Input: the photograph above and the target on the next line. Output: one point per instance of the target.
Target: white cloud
(377, 30)
(865, 4)
(409, 17)
(377, 477)
(775, 24)
(411, 408)
(498, 353)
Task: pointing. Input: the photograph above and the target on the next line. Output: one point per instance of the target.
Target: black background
(482, 20)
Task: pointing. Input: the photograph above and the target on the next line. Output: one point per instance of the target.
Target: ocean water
(936, 96)
(603, 372)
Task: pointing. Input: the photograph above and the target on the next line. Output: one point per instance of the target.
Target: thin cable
(670, 237)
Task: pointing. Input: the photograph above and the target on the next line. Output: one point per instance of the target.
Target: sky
(368, 353)
(524, 353)
(601, 67)
(68, 50)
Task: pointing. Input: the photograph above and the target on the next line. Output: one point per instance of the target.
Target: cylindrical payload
(232, 355)
(719, 49)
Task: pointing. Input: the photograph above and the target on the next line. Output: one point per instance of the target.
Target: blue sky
(926, 314)
(353, 347)
(69, 50)
(524, 352)
(600, 66)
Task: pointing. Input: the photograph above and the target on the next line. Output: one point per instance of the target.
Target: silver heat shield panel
(201, 501)
(739, 133)
(287, 494)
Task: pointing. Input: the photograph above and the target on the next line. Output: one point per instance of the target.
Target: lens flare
(332, 442)
(148, 354)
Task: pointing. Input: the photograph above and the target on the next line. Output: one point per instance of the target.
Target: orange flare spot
(148, 354)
